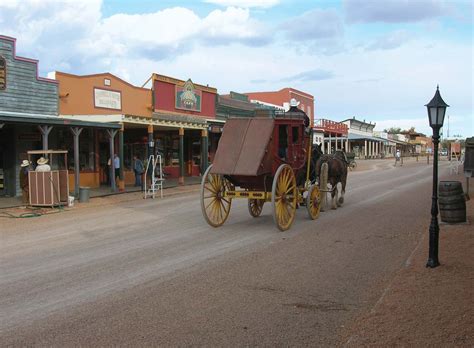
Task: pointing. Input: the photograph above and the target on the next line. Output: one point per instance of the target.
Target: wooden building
(29, 116)
(281, 99)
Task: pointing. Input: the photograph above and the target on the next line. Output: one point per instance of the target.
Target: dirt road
(153, 273)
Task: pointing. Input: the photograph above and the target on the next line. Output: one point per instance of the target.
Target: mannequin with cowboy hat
(43, 165)
(24, 184)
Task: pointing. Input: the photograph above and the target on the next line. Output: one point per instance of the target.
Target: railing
(330, 126)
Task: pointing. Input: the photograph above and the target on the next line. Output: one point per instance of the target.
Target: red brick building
(282, 99)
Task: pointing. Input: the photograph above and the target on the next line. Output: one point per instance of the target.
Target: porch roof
(36, 119)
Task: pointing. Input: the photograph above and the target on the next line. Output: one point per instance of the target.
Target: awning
(36, 119)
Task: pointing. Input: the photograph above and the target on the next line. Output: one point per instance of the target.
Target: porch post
(330, 144)
(204, 150)
(335, 143)
(181, 156)
(150, 141)
(45, 130)
(76, 132)
(365, 149)
(121, 176)
(347, 145)
(112, 133)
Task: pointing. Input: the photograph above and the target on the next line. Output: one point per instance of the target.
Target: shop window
(87, 152)
(196, 152)
(133, 149)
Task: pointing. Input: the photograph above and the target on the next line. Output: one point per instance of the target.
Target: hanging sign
(3, 73)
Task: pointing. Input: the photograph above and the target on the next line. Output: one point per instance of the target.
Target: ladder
(154, 163)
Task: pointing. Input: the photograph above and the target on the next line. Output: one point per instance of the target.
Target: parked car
(443, 152)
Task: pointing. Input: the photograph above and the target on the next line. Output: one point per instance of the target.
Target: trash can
(84, 194)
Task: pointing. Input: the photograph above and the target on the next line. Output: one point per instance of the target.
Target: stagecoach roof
(242, 146)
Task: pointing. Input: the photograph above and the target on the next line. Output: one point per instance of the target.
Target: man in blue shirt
(117, 166)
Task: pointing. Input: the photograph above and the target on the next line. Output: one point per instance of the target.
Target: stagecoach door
(297, 155)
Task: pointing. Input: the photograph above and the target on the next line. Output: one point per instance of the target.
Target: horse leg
(338, 199)
(334, 197)
(343, 190)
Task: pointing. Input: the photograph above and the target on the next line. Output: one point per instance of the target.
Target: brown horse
(337, 172)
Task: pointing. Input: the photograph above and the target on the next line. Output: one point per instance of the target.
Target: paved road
(153, 273)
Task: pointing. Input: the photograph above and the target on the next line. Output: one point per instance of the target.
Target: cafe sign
(187, 97)
(3, 73)
(107, 99)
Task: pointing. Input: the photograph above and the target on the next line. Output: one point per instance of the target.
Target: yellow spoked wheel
(313, 202)
(214, 205)
(284, 197)
(255, 206)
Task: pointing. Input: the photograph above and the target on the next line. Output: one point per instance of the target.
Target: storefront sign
(215, 129)
(188, 98)
(104, 98)
(3, 73)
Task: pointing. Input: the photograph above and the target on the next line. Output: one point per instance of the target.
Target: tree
(393, 130)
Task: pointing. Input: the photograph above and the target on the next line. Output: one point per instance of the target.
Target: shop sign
(107, 99)
(187, 97)
(3, 73)
(215, 129)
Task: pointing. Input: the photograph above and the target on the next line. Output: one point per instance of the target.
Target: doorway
(2, 172)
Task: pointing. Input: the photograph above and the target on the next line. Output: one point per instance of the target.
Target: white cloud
(391, 40)
(230, 50)
(245, 3)
(393, 11)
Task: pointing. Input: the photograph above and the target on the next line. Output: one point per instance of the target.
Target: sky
(377, 60)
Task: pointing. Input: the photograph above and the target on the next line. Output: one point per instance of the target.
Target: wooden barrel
(452, 203)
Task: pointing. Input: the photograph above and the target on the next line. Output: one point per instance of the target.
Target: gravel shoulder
(422, 306)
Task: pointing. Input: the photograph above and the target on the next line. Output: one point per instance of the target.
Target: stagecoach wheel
(255, 206)
(313, 202)
(284, 197)
(214, 205)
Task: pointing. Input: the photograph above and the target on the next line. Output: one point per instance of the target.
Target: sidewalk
(422, 306)
(105, 191)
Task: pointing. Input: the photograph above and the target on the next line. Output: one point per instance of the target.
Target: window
(282, 141)
(86, 148)
(295, 134)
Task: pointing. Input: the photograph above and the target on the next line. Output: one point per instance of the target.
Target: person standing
(117, 167)
(138, 170)
(43, 165)
(24, 182)
(397, 157)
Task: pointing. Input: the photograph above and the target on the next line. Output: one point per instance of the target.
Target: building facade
(281, 99)
(361, 139)
(29, 117)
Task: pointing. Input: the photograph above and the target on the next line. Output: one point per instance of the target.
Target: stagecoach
(262, 159)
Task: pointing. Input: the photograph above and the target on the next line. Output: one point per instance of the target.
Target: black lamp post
(436, 111)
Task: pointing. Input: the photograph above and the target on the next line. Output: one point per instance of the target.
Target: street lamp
(436, 111)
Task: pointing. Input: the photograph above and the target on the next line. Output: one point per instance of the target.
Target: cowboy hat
(42, 160)
(25, 163)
